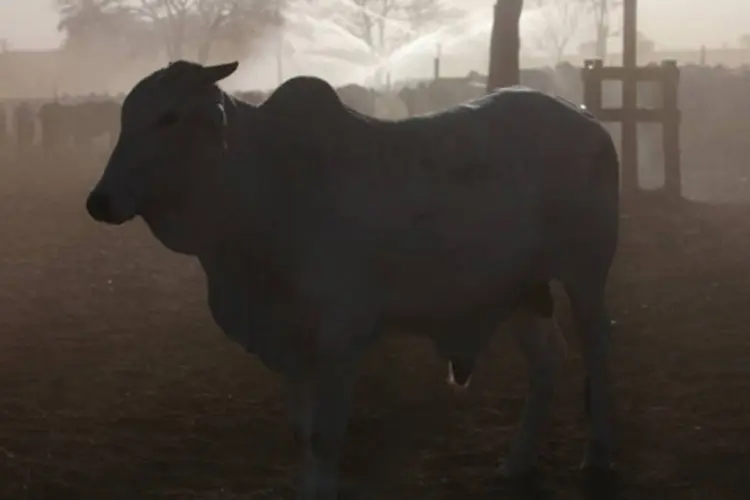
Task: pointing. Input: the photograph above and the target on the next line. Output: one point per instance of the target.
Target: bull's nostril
(98, 207)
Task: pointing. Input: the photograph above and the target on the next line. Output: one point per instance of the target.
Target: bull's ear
(212, 74)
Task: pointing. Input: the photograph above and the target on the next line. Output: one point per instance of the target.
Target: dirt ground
(115, 383)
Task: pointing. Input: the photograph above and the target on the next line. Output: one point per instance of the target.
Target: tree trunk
(602, 40)
(204, 51)
(505, 45)
(602, 29)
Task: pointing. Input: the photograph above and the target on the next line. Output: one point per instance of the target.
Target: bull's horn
(213, 74)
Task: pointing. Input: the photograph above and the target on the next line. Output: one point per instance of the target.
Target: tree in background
(183, 29)
(196, 25)
(88, 24)
(387, 25)
(744, 41)
(560, 21)
(564, 19)
(646, 45)
(370, 31)
(601, 12)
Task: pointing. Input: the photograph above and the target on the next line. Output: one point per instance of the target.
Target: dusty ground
(114, 383)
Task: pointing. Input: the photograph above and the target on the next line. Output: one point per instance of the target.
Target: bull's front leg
(320, 395)
(544, 349)
(340, 322)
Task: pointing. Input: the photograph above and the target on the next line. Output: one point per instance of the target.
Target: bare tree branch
(601, 13)
(385, 25)
(183, 28)
(561, 20)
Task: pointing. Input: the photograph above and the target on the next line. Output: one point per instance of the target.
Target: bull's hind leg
(589, 311)
(543, 347)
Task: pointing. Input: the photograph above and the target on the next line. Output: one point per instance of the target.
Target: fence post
(671, 129)
(629, 127)
(592, 85)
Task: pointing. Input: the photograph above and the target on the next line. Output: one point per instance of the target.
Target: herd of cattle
(27, 128)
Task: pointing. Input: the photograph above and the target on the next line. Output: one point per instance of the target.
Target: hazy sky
(31, 24)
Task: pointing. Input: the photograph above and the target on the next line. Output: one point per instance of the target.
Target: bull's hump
(303, 94)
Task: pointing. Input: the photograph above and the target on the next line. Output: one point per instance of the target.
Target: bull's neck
(252, 216)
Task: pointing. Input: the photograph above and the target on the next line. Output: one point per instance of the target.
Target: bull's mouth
(102, 209)
(122, 220)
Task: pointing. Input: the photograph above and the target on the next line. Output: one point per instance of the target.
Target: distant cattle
(416, 99)
(24, 124)
(5, 138)
(361, 99)
(73, 126)
(94, 119)
(55, 126)
(318, 228)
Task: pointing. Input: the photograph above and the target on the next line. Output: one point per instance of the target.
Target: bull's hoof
(459, 372)
(346, 491)
(600, 483)
(520, 484)
(598, 469)
(597, 457)
(518, 470)
(600, 475)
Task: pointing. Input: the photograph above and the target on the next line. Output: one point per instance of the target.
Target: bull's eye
(167, 119)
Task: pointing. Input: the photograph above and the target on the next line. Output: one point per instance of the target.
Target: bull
(319, 228)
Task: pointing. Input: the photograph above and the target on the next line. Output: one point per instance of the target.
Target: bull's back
(525, 143)
(514, 147)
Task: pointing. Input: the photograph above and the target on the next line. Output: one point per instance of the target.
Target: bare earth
(115, 383)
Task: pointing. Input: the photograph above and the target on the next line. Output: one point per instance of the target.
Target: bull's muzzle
(102, 209)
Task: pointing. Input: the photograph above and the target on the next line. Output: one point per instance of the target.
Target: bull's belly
(458, 313)
(482, 247)
(435, 291)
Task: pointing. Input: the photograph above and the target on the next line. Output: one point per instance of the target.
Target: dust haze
(115, 382)
(313, 42)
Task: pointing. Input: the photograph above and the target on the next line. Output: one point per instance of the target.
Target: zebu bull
(319, 228)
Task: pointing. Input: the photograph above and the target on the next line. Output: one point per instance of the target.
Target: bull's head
(173, 130)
